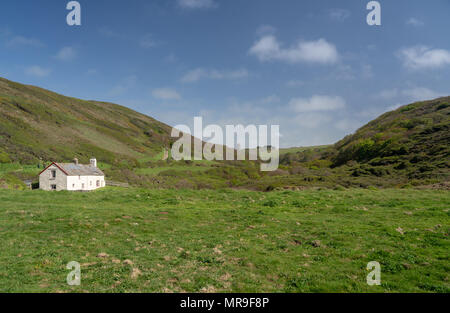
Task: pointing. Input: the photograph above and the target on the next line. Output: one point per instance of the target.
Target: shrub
(403, 165)
(4, 157)
(169, 173)
(270, 203)
(13, 182)
(299, 170)
(442, 106)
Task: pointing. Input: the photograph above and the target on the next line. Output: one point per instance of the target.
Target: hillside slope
(406, 147)
(39, 124)
(414, 138)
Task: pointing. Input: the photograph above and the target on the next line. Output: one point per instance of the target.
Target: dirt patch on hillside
(438, 186)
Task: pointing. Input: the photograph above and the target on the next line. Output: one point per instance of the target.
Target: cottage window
(98, 183)
(53, 174)
(53, 187)
(82, 186)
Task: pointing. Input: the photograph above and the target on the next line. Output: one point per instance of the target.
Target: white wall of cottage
(71, 183)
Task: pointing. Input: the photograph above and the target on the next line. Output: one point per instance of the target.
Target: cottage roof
(73, 169)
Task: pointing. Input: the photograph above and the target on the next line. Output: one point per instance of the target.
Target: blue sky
(313, 67)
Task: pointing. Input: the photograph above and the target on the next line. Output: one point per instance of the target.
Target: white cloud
(311, 120)
(11, 40)
(270, 99)
(388, 94)
(91, 71)
(415, 22)
(265, 30)
(147, 41)
(170, 58)
(394, 107)
(304, 128)
(124, 86)
(422, 57)
(321, 51)
(348, 125)
(339, 15)
(23, 41)
(422, 93)
(201, 73)
(174, 117)
(109, 33)
(342, 72)
(298, 128)
(197, 4)
(408, 95)
(5, 32)
(166, 94)
(37, 71)
(66, 54)
(317, 103)
(295, 83)
(367, 71)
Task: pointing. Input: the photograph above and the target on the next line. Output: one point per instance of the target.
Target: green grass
(225, 240)
(37, 124)
(15, 167)
(302, 149)
(179, 168)
(403, 148)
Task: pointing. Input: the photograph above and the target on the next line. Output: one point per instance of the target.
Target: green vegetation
(417, 134)
(38, 125)
(302, 149)
(4, 157)
(139, 240)
(407, 146)
(165, 234)
(404, 148)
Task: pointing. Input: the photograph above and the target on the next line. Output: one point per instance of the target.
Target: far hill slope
(415, 136)
(39, 124)
(410, 145)
(406, 147)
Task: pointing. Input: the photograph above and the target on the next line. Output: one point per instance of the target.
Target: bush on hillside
(4, 157)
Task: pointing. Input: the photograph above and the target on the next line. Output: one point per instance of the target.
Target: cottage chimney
(94, 162)
(75, 161)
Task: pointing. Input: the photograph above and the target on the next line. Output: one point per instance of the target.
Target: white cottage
(72, 176)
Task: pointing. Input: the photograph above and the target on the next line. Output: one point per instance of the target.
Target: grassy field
(302, 149)
(180, 168)
(136, 240)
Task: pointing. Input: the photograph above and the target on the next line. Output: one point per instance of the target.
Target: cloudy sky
(313, 67)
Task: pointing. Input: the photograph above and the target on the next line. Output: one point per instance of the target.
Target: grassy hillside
(140, 240)
(407, 146)
(167, 237)
(414, 138)
(404, 148)
(37, 124)
(293, 150)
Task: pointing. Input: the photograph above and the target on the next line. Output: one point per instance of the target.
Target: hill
(414, 138)
(37, 124)
(403, 148)
(301, 149)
